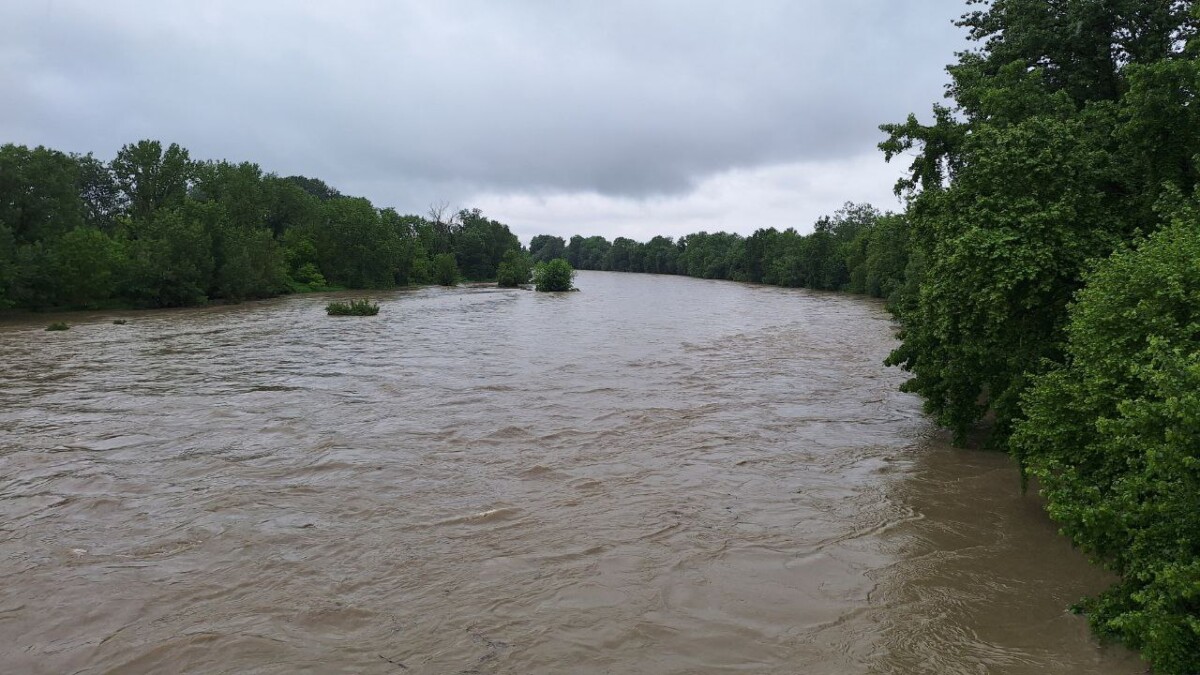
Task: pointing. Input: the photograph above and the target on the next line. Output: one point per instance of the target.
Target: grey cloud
(621, 98)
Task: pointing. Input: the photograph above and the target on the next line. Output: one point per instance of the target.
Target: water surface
(655, 475)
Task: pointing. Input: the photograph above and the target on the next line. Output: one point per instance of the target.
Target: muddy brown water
(655, 475)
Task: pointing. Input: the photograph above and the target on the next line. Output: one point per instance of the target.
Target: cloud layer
(634, 108)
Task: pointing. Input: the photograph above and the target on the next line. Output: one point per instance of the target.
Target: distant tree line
(154, 228)
(857, 249)
(1046, 277)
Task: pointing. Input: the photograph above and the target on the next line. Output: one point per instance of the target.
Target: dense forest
(1046, 277)
(153, 228)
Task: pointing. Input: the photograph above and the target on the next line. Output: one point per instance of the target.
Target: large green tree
(1021, 184)
(545, 247)
(39, 193)
(356, 248)
(480, 244)
(151, 178)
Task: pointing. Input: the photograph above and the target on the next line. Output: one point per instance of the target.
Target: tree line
(1045, 273)
(857, 249)
(154, 228)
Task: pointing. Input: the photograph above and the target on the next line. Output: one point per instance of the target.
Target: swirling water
(655, 475)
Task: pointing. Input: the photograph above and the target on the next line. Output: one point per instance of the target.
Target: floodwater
(654, 475)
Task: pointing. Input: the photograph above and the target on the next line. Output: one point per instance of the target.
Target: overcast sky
(600, 117)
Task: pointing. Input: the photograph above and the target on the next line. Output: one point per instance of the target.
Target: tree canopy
(155, 228)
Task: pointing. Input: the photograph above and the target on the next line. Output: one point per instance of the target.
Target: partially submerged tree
(514, 270)
(554, 276)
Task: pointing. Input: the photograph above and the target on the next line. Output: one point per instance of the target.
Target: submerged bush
(119, 322)
(514, 269)
(58, 325)
(555, 275)
(362, 307)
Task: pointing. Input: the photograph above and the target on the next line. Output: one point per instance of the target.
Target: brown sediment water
(655, 475)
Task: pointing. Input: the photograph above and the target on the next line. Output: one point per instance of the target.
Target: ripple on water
(656, 475)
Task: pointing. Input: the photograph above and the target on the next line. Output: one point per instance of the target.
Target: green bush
(310, 276)
(514, 269)
(445, 270)
(1113, 438)
(361, 307)
(555, 275)
(58, 325)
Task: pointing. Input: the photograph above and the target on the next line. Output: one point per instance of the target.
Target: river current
(653, 475)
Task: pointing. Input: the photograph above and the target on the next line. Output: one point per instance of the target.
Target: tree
(1113, 437)
(251, 265)
(445, 269)
(1074, 125)
(98, 192)
(289, 207)
(151, 178)
(8, 266)
(1015, 190)
(553, 276)
(356, 248)
(409, 263)
(878, 258)
(545, 247)
(481, 243)
(171, 262)
(514, 270)
(660, 255)
(623, 256)
(84, 266)
(315, 187)
(39, 193)
(443, 225)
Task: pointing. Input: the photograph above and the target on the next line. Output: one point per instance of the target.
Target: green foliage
(711, 256)
(545, 247)
(1041, 169)
(514, 270)
(308, 278)
(355, 247)
(587, 254)
(553, 276)
(152, 178)
(171, 262)
(878, 257)
(154, 228)
(1113, 437)
(481, 244)
(359, 307)
(58, 325)
(1006, 243)
(314, 187)
(1075, 128)
(84, 266)
(8, 266)
(39, 195)
(856, 249)
(445, 269)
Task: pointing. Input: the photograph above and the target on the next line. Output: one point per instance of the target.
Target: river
(653, 475)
